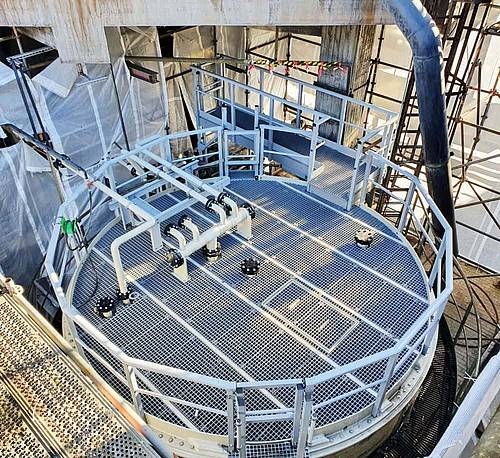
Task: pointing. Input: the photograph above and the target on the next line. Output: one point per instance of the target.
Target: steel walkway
(337, 168)
(48, 407)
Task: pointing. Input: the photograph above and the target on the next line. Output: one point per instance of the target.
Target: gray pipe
(423, 36)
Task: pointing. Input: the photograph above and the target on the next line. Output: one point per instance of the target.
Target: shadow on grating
(433, 409)
(276, 450)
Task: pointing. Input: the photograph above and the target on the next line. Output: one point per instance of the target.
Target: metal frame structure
(414, 342)
(215, 90)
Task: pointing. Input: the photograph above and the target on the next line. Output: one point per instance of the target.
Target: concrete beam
(78, 25)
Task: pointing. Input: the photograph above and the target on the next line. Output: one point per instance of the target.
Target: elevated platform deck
(318, 302)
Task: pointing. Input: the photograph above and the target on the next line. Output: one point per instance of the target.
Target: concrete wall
(78, 25)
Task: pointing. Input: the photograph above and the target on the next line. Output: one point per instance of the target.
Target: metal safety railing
(260, 115)
(309, 395)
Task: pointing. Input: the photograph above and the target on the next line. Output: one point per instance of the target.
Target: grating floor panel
(319, 301)
(48, 407)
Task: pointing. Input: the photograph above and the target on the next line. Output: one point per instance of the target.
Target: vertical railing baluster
(305, 420)
(230, 420)
(406, 207)
(241, 423)
(221, 150)
(262, 150)
(359, 152)
(133, 387)
(261, 88)
(299, 102)
(340, 133)
(312, 150)
(233, 105)
(366, 178)
(382, 390)
(256, 138)
(297, 414)
(271, 120)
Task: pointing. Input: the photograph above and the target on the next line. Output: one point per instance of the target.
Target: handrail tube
(115, 252)
(310, 86)
(194, 180)
(189, 191)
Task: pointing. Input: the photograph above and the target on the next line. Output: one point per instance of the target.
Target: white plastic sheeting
(82, 122)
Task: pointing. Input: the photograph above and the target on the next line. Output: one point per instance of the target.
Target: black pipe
(120, 113)
(423, 36)
(46, 151)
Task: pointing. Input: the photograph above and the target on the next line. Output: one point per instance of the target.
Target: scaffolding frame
(464, 24)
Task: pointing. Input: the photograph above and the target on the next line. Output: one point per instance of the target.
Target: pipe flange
(122, 297)
(209, 205)
(212, 255)
(221, 197)
(250, 267)
(106, 307)
(168, 228)
(364, 237)
(174, 258)
(221, 201)
(182, 221)
(250, 209)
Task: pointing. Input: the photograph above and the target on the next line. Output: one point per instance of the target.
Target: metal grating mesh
(67, 415)
(319, 301)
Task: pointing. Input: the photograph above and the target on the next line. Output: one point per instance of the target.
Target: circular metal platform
(319, 301)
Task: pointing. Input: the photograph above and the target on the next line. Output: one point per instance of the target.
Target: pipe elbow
(417, 26)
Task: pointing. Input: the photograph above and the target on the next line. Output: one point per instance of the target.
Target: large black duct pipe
(423, 36)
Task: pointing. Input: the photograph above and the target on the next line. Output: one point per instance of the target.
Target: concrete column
(353, 46)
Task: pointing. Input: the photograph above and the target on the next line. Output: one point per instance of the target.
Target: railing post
(241, 436)
(256, 138)
(436, 266)
(133, 387)
(299, 102)
(222, 148)
(224, 117)
(196, 97)
(168, 154)
(366, 178)
(430, 334)
(305, 420)
(340, 133)
(261, 87)
(406, 207)
(261, 150)
(256, 116)
(271, 119)
(310, 430)
(297, 416)
(233, 107)
(312, 150)
(359, 152)
(230, 420)
(382, 390)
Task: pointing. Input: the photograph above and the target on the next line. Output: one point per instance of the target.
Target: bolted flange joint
(364, 237)
(106, 307)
